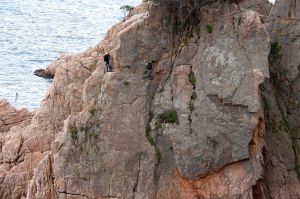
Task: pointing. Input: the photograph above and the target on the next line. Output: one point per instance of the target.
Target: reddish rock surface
(10, 116)
(210, 125)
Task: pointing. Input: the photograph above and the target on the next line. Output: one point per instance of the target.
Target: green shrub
(276, 50)
(176, 29)
(150, 138)
(190, 118)
(209, 28)
(283, 71)
(192, 79)
(169, 117)
(74, 133)
(239, 20)
(126, 83)
(81, 148)
(289, 14)
(194, 95)
(93, 111)
(148, 135)
(157, 154)
(191, 106)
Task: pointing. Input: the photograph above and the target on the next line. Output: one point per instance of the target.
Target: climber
(148, 71)
(109, 67)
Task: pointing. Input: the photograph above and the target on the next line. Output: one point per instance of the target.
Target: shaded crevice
(18, 159)
(111, 196)
(74, 194)
(174, 54)
(137, 177)
(52, 177)
(192, 81)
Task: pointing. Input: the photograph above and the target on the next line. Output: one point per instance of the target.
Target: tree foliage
(126, 9)
(187, 12)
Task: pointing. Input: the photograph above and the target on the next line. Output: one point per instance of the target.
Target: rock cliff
(219, 120)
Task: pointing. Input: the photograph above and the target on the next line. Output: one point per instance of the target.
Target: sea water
(33, 33)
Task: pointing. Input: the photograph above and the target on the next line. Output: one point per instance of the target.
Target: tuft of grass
(126, 83)
(209, 28)
(82, 128)
(169, 116)
(289, 14)
(192, 79)
(93, 135)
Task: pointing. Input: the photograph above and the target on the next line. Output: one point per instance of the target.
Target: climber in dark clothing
(107, 62)
(148, 72)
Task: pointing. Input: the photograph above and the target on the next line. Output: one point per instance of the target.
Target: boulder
(43, 73)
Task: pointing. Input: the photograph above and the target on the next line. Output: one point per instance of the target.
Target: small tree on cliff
(126, 9)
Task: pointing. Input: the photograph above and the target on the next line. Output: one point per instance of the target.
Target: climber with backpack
(108, 65)
(148, 71)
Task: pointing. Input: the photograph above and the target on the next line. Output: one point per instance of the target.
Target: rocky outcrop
(43, 73)
(49, 72)
(281, 95)
(196, 131)
(9, 116)
(11, 122)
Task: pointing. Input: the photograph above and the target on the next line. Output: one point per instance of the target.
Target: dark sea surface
(33, 33)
